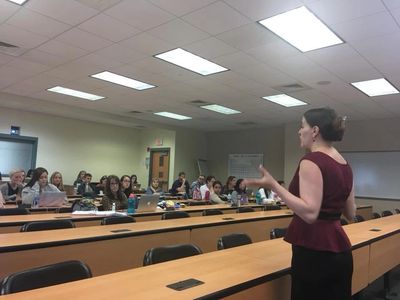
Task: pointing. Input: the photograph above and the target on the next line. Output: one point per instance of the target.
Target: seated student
(239, 194)
(114, 194)
(86, 187)
(195, 187)
(11, 191)
(205, 188)
(80, 178)
(215, 193)
(154, 188)
(2, 201)
(229, 187)
(134, 183)
(56, 180)
(101, 186)
(180, 185)
(126, 185)
(37, 185)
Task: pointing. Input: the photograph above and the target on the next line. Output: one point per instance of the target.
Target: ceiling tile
(181, 7)
(147, 43)
(37, 23)
(109, 28)
(391, 4)
(20, 37)
(83, 40)
(62, 50)
(99, 4)
(178, 33)
(139, 13)
(7, 9)
(216, 18)
(70, 12)
(120, 53)
(236, 61)
(210, 48)
(44, 58)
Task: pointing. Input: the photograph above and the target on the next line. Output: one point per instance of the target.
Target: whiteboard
(244, 165)
(376, 174)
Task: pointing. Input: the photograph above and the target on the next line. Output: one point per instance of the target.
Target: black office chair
(277, 233)
(343, 222)
(195, 203)
(211, 212)
(271, 207)
(39, 277)
(174, 215)
(359, 218)
(47, 225)
(245, 209)
(375, 215)
(166, 253)
(13, 211)
(117, 220)
(233, 240)
(64, 210)
(386, 213)
(397, 210)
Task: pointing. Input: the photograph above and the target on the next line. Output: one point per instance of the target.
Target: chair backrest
(359, 218)
(233, 240)
(174, 215)
(166, 253)
(194, 203)
(47, 225)
(212, 212)
(244, 209)
(386, 213)
(117, 220)
(45, 276)
(272, 207)
(397, 210)
(13, 211)
(343, 222)
(277, 233)
(375, 215)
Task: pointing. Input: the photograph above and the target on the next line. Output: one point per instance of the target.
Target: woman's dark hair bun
(331, 126)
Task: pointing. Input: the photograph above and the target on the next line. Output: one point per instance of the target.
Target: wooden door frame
(152, 150)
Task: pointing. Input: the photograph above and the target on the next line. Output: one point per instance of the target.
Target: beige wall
(269, 141)
(69, 145)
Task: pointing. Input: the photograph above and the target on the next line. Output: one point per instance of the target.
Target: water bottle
(238, 199)
(113, 207)
(35, 202)
(258, 198)
(131, 203)
(207, 196)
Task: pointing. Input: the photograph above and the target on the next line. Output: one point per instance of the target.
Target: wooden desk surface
(24, 240)
(223, 272)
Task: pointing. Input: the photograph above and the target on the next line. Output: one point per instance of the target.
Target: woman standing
(320, 191)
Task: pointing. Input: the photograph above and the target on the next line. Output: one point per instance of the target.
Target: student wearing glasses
(114, 194)
(126, 185)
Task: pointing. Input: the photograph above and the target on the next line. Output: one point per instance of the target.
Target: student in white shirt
(206, 188)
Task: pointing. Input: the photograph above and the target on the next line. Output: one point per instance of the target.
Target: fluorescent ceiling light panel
(375, 87)
(172, 115)
(19, 2)
(122, 80)
(221, 109)
(285, 100)
(191, 62)
(74, 93)
(300, 28)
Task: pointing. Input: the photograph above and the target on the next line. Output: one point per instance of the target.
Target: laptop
(52, 199)
(148, 203)
(136, 186)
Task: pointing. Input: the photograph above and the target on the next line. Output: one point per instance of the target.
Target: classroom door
(159, 167)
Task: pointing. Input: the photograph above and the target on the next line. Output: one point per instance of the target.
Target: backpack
(84, 204)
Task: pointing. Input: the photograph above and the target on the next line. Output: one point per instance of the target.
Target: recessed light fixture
(172, 115)
(221, 109)
(302, 29)
(74, 93)
(122, 80)
(285, 100)
(191, 62)
(375, 87)
(19, 2)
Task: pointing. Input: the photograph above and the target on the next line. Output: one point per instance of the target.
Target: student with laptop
(114, 194)
(37, 185)
(56, 179)
(154, 188)
(135, 185)
(11, 191)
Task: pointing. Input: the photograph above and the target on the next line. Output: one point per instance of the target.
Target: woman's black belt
(323, 215)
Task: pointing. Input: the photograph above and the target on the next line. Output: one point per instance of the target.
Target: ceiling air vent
(10, 49)
(292, 87)
(135, 112)
(198, 102)
(248, 123)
